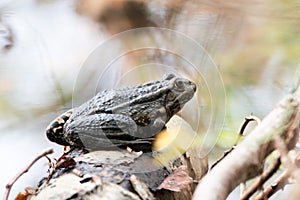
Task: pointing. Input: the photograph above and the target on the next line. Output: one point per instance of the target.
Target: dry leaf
(177, 181)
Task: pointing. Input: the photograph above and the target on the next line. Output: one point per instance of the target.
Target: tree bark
(119, 174)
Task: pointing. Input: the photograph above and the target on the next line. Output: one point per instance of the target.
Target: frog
(130, 116)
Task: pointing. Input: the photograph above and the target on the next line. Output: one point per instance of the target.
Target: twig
(284, 178)
(242, 188)
(220, 159)
(262, 179)
(278, 184)
(241, 133)
(245, 124)
(10, 184)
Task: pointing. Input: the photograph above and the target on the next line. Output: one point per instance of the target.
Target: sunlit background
(50, 52)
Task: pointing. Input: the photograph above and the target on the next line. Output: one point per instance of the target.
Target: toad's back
(126, 116)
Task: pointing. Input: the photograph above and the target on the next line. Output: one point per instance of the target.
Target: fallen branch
(246, 160)
(25, 170)
(241, 133)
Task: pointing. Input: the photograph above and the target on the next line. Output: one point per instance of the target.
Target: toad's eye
(179, 85)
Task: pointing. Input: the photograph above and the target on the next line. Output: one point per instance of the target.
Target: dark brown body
(130, 116)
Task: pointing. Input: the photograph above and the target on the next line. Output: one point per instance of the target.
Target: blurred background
(244, 57)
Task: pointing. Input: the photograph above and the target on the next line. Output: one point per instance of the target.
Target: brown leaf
(65, 162)
(177, 181)
(24, 195)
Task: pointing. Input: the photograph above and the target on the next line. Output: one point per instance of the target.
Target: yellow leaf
(174, 140)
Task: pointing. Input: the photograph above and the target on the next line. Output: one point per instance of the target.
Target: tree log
(119, 174)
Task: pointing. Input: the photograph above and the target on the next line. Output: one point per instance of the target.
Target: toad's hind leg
(101, 131)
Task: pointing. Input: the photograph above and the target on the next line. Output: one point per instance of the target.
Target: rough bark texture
(116, 175)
